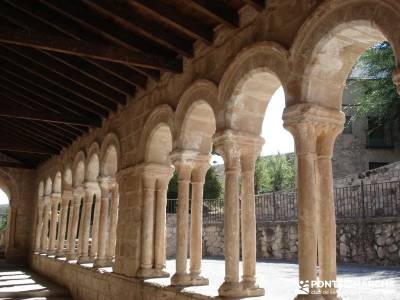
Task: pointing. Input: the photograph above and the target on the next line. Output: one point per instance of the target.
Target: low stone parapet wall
(86, 283)
(373, 241)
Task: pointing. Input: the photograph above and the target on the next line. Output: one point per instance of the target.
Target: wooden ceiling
(65, 65)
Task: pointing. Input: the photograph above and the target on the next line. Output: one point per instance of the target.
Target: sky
(277, 139)
(3, 197)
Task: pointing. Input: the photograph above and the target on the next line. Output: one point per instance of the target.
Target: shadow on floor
(16, 282)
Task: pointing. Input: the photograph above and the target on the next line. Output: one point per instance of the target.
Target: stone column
(239, 149)
(95, 226)
(39, 225)
(90, 189)
(231, 155)
(105, 185)
(54, 202)
(113, 223)
(160, 226)
(326, 207)
(147, 247)
(184, 171)
(248, 214)
(78, 194)
(45, 226)
(196, 225)
(67, 197)
(306, 122)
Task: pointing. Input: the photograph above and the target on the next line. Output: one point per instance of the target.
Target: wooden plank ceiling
(65, 65)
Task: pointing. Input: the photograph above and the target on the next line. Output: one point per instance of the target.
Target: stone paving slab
(18, 283)
(280, 280)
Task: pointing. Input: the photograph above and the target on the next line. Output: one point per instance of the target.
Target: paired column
(39, 225)
(54, 202)
(314, 130)
(90, 190)
(45, 226)
(155, 179)
(78, 195)
(66, 199)
(113, 224)
(239, 151)
(191, 166)
(106, 185)
(95, 227)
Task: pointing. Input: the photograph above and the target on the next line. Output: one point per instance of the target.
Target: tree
(376, 95)
(274, 173)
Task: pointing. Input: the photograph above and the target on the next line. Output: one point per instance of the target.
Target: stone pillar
(196, 225)
(54, 202)
(316, 214)
(45, 226)
(95, 226)
(105, 185)
(234, 146)
(67, 197)
(78, 194)
(184, 171)
(39, 225)
(148, 184)
(326, 208)
(90, 189)
(160, 226)
(248, 216)
(113, 223)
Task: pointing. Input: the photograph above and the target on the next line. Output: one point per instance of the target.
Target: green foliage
(212, 186)
(376, 95)
(3, 220)
(274, 173)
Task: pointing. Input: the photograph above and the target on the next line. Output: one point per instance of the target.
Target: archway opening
(4, 214)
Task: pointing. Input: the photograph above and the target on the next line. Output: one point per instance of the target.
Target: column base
(151, 273)
(60, 254)
(72, 256)
(51, 252)
(84, 260)
(317, 297)
(240, 290)
(188, 280)
(101, 263)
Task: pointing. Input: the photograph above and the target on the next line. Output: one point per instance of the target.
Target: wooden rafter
(217, 11)
(91, 50)
(20, 113)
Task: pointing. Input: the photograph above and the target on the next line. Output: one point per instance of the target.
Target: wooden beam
(129, 18)
(90, 50)
(257, 4)
(217, 11)
(175, 18)
(27, 114)
(6, 145)
(15, 165)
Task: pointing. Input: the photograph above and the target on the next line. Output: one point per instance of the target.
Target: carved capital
(313, 127)
(55, 199)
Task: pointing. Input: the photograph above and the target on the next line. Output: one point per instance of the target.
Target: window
(348, 126)
(373, 165)
(379, 135)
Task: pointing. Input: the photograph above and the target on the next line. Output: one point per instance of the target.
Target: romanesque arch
(329, 42)
(110, 155)
(248, 84)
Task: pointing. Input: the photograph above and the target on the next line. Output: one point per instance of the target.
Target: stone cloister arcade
(103, 199)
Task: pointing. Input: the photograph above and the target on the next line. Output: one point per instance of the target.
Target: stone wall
(91, 284)
(371, 241)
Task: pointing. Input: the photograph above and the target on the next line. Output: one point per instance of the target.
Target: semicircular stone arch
(330, 41)
(158, 129)
(67, 177)
(57, 183)
(78, 169)
(93, 163)
(249, 83)
(48, 188)
(196, 117)
(110, 155)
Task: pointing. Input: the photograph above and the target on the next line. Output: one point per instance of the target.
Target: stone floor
(18, 283)
(280, 280)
